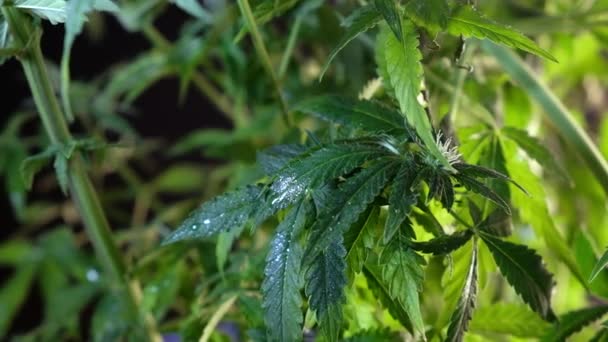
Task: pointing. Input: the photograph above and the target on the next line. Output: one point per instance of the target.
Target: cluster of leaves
(379, 226)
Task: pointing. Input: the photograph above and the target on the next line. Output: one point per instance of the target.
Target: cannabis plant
(380, 183)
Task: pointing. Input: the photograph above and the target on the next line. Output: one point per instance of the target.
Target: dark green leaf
(432, 14)
(466, 21)
(225, 212)
(599, 267)
(319, 167)
(402, 274)
(12, 294)
(360, 239)
(477, 187)
(373, 275)
(459, 322)
(404, 69)
(484, 172)
(352, 199)
(358, 22)
(574, 321)
(400, 200)
(283, 279)
(443, 244)
(509, 319)
(325, 281)
(368, 116)
(390, 12)
(273, 159)
(524, 270)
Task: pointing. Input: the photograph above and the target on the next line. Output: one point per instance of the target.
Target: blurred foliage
(214, 287)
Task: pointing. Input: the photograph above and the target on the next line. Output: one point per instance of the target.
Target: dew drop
(206, 221)
(92, 275)
(194, 227)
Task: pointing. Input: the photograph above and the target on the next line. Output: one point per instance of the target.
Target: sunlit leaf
(459, 322)
(509, 319)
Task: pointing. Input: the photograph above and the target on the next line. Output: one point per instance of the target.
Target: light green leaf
(509, 319)
(534, 149)
(574, 321)
(599, 267)
(33, 164)
(404, 69)
(194, 8)
(459, 322)
(373, 275)
(360, 240)
(358, 22)
(466, 21)
(225, 212)
(390, 12)
(62, 172)
(524, 270)
(348, 203)
(283, 279)
(321, 166)
(52, 10)
(325, 281)
(453, 280)
(431, 14)
(5, 39)
(368, 116)
(265, 11)
(375, 336)
(76, 16)
(443, 244)
(402, 274)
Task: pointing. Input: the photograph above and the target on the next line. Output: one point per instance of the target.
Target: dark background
(159, 114)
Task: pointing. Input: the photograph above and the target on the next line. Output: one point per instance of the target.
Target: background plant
(432, 185)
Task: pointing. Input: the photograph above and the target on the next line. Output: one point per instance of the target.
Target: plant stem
(555, 111)
(260, 47)
(81, 187)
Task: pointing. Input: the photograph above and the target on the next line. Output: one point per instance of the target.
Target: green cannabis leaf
(325, 281)
(468, 22)
(404, 70)
(402, 274)
(283, 280)
(599, 267)
(51, 10)
(574, 321)
(358, 22)
(431, 14)
(524, 270)
(459, 322)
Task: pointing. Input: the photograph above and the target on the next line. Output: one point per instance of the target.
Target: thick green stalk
(81, 188)
(260, 47)
(555, 111)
